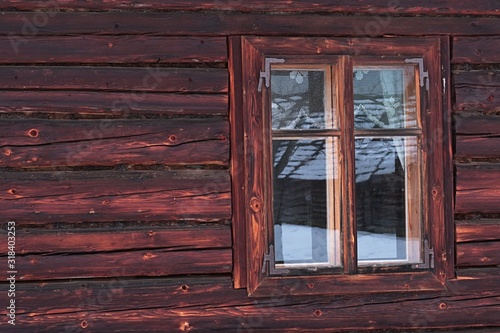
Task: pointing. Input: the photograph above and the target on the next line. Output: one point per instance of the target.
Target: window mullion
(346, 112)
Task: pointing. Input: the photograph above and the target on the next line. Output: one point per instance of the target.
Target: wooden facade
(121, 165)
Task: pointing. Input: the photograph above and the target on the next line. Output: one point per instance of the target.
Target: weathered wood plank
(201, 305)
(152, 79)
(115, 196)
(112, 49)
(476, 254)
(120, 264)
(104, 142)
(202, 23)
(478, 189)
(41, 241)
(477, 90)
(417, 7)
(112, 103)
(476, 50)
(480, 230)
(477, 136)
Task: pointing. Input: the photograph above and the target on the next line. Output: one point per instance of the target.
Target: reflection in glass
(384, 98)
(387, 199)
(299, 99)
(302, 179)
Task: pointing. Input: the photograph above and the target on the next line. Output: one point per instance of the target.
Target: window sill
(348, 284)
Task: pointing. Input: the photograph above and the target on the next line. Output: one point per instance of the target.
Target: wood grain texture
(477, 136)
(200, 23)
(112, 49)
(478, 254)
(476, 50)
(477, 90)
(115, 196)
(478, 230)
(120, 264)
(478, 189)
(203, 304)
(151, 79)
(418, 7)
(116, 104)
(42, 143)
(79, 241)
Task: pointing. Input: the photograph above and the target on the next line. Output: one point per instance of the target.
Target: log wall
(115, 161)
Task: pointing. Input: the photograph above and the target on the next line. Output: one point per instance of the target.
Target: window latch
(428, 257)
(424, 75)
(266, 74)
(269, 258)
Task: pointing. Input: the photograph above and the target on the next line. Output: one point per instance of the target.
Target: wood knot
(185, 326)
(318, 313)
(7, 152)
(172, 138)
(310, 285)
(110, 45)
(84, 323)
(435, 192)
(106, 202)
(443, 306)
(148, 256)
(33, 133)
(151, 233)
(11, 191)
(222, 138)
(184, 288)
(255, 204)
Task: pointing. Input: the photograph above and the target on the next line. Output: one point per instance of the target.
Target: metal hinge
(424, 75)
(428, 257)
(271, 267)
(266, 74)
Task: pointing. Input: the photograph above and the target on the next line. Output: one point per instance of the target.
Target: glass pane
(299, 99)
(305, 229)
(388, 199)
(385, 97)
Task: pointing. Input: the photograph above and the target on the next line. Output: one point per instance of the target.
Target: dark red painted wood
(41, 241)
(150, 78)
(43, 197)
(49, 143)
(477, 90)
(476, 50)
(111, 49)
(219, 23)
(478, 254)
(416, 7)
(480, 230)
(477, 189)
(120, 264)
(116, 104)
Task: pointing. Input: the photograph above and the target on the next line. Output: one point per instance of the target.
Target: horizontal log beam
(477, 190)
(104, 142)
(78, 196)
(477, 136)
(111, 49)
(121, 264)
(476, 50)
(116, 104)
(151, 79)
(479, 230)
(78, 241)
(477, 254)
(477, 90)
(20, 37)
(417, 7)
(203, 304)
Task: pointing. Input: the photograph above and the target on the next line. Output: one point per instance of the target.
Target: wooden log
(41, 241)
(104, 142)
(476, 254)
(477, 90)
(121, 264)
(476, 50)
(477, 190)
(477, 136)
(151, 79)
(417, 7)
(200, 23)
(201, 305)
(117, 104)
(112, 49)
(480, 230)
(115, 196)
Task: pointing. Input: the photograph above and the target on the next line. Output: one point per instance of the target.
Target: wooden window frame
(251, 132)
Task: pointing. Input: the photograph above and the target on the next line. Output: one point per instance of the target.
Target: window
(341, 192)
